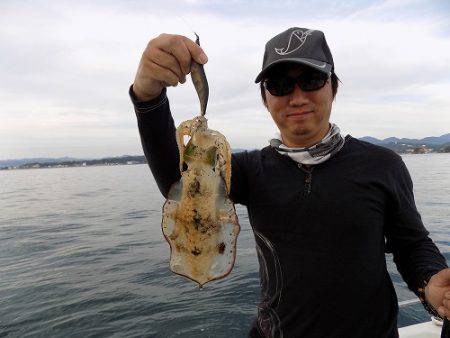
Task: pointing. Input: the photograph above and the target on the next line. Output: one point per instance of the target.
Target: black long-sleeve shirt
(321, 233)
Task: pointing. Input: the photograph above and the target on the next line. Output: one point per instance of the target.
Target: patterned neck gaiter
(318, 153)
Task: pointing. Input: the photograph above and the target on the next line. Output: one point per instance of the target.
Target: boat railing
(405, 303)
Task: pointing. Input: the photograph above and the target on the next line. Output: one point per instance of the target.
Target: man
(324, 208)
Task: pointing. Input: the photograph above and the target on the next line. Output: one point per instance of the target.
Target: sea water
(82, 255)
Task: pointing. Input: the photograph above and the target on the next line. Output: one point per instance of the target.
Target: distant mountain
(416, 146)
(437, 140)
(429, 141)
(371, 139)
(444, 148)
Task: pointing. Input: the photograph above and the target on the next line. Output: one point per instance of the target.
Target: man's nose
(298, 97)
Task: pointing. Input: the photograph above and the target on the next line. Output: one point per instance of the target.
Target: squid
(199, 219)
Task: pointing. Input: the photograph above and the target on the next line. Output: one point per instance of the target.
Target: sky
(66, 67)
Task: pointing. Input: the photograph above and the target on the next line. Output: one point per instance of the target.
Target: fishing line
(187, 24)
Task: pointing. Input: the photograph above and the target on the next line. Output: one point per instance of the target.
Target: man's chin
(301, 137)
(302, 132)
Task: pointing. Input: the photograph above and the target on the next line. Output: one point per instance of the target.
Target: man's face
(302, 116)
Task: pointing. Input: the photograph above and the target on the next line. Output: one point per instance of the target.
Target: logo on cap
(297, 36)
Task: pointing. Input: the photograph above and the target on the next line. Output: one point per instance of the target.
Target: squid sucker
(199, 219)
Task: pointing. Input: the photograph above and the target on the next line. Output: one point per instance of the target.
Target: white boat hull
(430, 329)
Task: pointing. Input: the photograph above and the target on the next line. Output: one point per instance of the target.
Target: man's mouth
(300, 113)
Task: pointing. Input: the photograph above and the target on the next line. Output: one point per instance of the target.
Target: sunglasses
(285, 85)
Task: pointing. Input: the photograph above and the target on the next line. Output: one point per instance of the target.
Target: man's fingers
(444, 312)
(182, 48)
(196, 51)
(166, 60)
(163, 74)
(180, 51)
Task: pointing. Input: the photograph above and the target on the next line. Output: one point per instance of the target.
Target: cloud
(68, 67)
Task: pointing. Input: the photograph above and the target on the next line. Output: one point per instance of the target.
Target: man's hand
(437, 292)
(165, 62)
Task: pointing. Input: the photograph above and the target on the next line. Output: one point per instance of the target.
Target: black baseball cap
(299, 45)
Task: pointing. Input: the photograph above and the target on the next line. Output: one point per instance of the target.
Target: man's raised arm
(165, 62)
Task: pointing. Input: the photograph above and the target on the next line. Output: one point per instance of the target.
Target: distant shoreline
(72, 166)
(122, 160)
(110, 161)
(427, 145)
